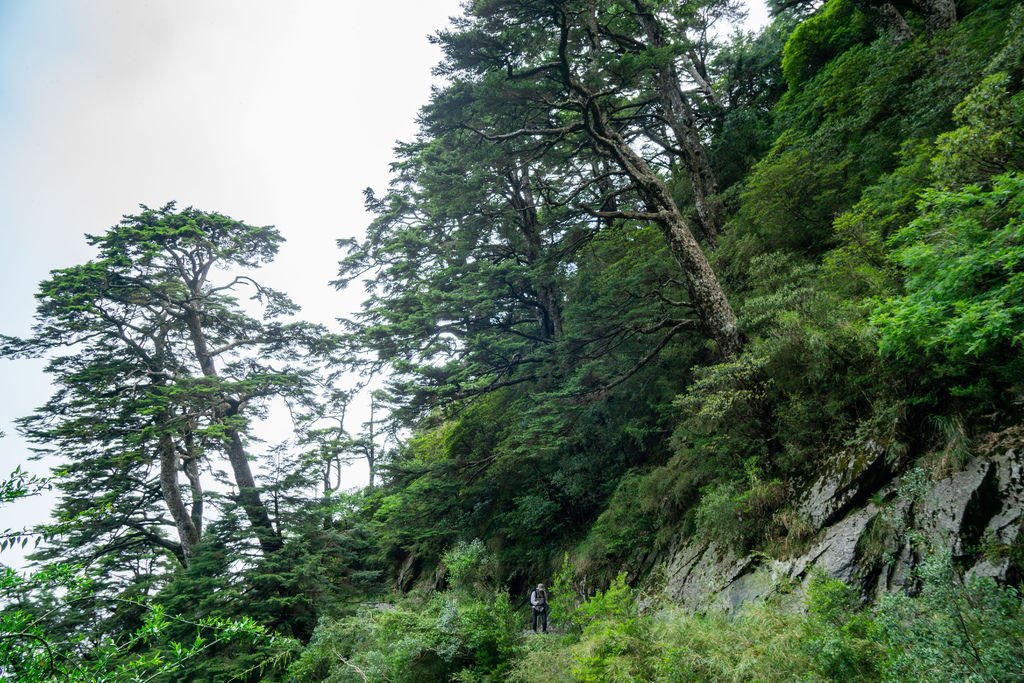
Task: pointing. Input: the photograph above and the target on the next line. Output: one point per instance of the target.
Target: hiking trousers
(540, 616)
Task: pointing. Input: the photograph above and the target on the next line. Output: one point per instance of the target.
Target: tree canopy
(636, 285)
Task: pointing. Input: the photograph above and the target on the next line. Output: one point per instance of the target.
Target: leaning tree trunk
(190, 465)
(706, 293)
(188, 532)
(189, 526)
(681, 119)
(248, 493)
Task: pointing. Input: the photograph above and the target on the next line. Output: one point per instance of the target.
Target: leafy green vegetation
(954, 630)
(633, 288)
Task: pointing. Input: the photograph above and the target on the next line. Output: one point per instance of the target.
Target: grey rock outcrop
(847, 480)
(872, 533)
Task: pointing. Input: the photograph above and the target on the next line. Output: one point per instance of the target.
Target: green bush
(471, 567)
(840, 638)
(839, 25)
(563, 600)
(470, 632)
(989, 139)
(543, 660)
(960, 321)
(738, 516)
(614, 644)
(956, 629)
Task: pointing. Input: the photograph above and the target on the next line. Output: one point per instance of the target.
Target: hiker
(539, 603)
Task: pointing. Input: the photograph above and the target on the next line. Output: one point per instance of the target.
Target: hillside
(718, 336)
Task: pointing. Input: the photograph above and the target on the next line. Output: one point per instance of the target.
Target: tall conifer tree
(159, 367)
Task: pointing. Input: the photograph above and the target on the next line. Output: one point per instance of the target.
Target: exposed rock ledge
(875, 542)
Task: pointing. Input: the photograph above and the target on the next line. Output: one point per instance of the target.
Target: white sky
(271, 112)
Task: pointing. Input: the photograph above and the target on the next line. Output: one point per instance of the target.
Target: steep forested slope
(719, 318)
(552, 354)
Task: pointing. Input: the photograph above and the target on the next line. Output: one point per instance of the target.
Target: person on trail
(539, 603)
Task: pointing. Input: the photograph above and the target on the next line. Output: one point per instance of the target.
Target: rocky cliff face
(873, 530)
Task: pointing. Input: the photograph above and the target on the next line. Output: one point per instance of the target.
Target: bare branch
(629, 215)
(601, 392)
(525, 132)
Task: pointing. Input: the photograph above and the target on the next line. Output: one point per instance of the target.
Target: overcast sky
(271, 112)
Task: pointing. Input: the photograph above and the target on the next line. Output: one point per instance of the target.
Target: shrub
(563, 599)
(956, 629)
(471, 567)
(467, 633)
(543, 660)
(739, 516)
(960, 321)
(615, 643)
(839, 25)
(842, 640)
